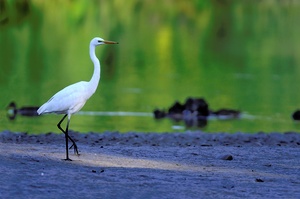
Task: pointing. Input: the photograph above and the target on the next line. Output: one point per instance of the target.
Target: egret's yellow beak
(110, 42)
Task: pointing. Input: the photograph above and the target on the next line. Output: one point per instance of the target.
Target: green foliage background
(235, 54)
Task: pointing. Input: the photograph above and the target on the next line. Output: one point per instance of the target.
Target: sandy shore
(151, 165)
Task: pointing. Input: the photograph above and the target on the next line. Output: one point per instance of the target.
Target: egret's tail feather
(40, 110)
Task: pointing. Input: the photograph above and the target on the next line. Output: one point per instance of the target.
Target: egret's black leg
(67, 137)
(67, 141)
(59, 123)
(74, 144)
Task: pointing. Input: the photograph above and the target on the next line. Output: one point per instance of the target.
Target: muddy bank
(151, 165)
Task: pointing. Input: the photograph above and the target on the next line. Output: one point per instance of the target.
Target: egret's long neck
(96, 75)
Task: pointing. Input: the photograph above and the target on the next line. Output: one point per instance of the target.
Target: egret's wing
(68, 100)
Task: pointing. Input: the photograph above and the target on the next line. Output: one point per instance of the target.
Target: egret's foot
(75, 149)
(67, 159)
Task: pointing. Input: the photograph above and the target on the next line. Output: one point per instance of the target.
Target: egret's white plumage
(69, 100)
(72, 98)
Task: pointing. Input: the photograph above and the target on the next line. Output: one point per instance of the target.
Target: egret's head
(98, 41)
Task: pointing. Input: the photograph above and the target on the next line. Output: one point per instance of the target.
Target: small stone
(258, 180)
(206, 145)
(227, 157)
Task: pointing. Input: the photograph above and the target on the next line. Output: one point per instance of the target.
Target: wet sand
(151, 165)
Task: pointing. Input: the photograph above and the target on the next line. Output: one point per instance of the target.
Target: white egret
(72, 98)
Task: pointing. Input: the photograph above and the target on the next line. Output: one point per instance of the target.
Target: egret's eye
(99, 41)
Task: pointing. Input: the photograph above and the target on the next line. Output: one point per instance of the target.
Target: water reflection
(237, 54)
(195, 112)
(13, 111)
(111, 113)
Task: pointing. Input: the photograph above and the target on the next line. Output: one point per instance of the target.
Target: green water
(236, 54)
